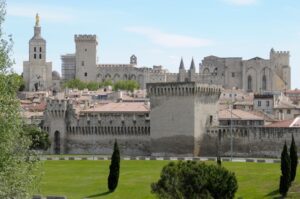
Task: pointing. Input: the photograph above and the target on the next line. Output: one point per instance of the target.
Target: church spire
(181, 66)
(192, 64)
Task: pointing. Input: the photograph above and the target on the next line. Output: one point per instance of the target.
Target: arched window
(249, 83)
(264, 82)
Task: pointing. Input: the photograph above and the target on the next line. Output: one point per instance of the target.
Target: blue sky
(160, 32)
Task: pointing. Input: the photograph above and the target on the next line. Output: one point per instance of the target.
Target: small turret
(192, 67)
(133, 60)
(192, 71)
(181, 66)
(182, 72)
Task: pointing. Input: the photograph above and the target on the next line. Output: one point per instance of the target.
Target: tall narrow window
(85, 74)
(264, 82)
(40, 49)
(34, 49)
(34, 56)
(40, 56)
(249, 85)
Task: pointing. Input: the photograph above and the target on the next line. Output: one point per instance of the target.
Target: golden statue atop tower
(37, 20)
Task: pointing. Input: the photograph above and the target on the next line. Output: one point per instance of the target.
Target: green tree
(294, 159)
(285, 179)
(18, 168)
(193, 180)
(39, 138)
(114, 169)
(92, 86)
(128, 85)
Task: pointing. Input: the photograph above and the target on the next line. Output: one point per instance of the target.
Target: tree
(128, 85)
(39, 138)
(294, 159)
(185, 180)
(285, 172)
(219, 162)
(114, 169)
(18, 166)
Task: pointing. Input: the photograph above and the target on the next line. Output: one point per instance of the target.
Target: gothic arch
(249, 83)
(107, 76)
(206, 71)
(116, 77)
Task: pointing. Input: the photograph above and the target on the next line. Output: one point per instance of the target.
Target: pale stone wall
(248, 141)
(179, 113)
(86, 57)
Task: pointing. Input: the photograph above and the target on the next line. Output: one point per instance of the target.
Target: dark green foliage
(193, 180)
(219, 162)
(129, 85)
(285, 172)
(114, 169)
(294, 159)
(39, 138)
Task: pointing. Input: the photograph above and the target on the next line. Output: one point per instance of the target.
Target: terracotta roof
(237, 114)
(118, 107)
(286, 123)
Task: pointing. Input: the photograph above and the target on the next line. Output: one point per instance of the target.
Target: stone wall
(248, 141)
(179, 113)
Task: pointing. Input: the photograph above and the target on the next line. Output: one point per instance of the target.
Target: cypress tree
(294, 159)
(114, 169)
(285, 172)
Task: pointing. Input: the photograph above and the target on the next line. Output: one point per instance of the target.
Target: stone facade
(75, 131)
(37, 72)
(253, 75)
(179, 114)
(248, 141)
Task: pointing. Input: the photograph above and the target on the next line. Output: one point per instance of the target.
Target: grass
(88, 179)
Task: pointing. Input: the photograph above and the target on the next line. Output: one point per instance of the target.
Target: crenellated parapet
(182, 89)
(85, 38)
(56, 108)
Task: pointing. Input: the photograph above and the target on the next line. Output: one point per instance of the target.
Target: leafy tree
(18, 168)
(128, 85)
(92, 86)
(39, 138)
(193, 180)
(285, 179)
(114, 169)
(294, 159)
(75, 83)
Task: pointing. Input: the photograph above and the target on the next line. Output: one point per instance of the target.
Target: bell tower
(37, 72)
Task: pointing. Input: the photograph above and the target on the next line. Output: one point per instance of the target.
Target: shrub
(195, 180)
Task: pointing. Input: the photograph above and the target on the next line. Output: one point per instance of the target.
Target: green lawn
(80, 179)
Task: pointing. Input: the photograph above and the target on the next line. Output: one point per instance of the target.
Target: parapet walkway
(225, 159)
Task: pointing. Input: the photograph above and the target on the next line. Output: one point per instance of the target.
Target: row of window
(250, 86)
(35, 49)
(259, 103)
(35, 56)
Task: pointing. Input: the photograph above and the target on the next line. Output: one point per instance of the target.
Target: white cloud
(169, 39)
(241, 2)
(47, 13)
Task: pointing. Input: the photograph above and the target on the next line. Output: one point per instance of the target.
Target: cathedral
(37, 72)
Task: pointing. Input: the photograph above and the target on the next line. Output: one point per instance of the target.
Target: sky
(159, 32)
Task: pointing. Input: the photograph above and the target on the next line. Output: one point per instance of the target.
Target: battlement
(182, 89)
(56, 105)
(279, 53)
(282, 52)
(85, 38)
